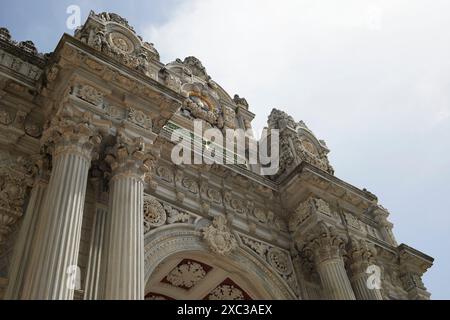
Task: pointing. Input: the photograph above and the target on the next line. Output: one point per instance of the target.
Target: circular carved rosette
(121, 42)
(280, 261)
(154, 214)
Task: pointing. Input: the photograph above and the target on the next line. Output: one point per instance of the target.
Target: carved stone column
(361, 256)
(59, 227)
(94, 275)
(125, 269)
(24, 245)
(325, 246)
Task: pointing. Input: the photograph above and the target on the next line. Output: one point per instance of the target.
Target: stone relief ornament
(260, 214)
(5, 117)
(229, 116)
(214, 195)
(139, 118)
(280, 261)
(258, 247)
(300, 215)
(112, 35)
(115, 112)
(196, 68)
(186, 275)
(279, 119)
(191, 185)
(16, 175)
(154, 213)
(226, 292)
(352, 221)
(322, 206)
(89, 94)
(170, 80)
(238, 206)
(219, 237)
(240, 102)
(121, 42)
(165, 173)
(175, 215)
(33, 129)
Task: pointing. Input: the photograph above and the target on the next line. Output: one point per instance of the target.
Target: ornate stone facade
(88, 189)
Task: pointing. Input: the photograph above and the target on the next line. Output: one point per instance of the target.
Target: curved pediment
(112, 35)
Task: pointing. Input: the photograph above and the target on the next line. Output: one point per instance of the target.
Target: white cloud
(370, 77)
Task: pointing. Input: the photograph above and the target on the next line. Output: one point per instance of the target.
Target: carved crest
(219, 237)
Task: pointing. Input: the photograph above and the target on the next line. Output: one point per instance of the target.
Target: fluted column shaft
(59, 229)
(125, 277)
(362, 291)
(53, 268)
(361, 255)
(125, 270)
(335, 280)
(97, 255)
(23, 247)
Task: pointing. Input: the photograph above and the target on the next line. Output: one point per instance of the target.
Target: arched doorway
(180, 266)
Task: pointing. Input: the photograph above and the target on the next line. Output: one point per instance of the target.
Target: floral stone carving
(219, 237)
(226, 292)
(186, 275)
(280, 261)
(154, 214)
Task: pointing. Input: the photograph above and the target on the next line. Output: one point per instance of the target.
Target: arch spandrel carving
(167, 241)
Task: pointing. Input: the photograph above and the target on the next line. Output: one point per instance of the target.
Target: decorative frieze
(139, 118)
(311, 206)
(89, 94)
(20, 66)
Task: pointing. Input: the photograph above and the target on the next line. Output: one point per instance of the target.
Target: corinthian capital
(361, 254)
(65, 134)
(323, 243)
(130, 157)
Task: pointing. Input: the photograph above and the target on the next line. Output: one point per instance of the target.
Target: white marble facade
(92, 207)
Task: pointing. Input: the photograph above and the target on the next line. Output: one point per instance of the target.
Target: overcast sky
(371, 78)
